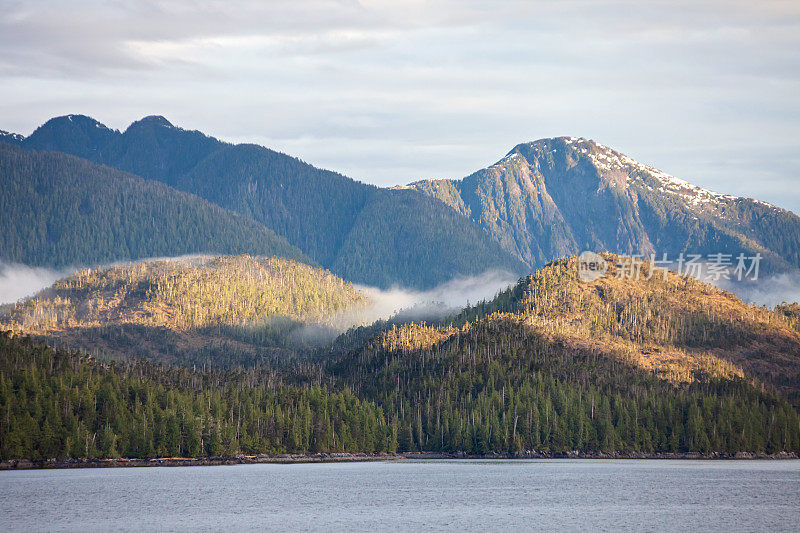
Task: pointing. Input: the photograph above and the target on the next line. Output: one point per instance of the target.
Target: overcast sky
(390, 92)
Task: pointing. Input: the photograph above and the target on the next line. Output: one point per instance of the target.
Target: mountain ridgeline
(360, 232)
(555, 197)
(542, 201)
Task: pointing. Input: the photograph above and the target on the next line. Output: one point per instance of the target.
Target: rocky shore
(25, 464)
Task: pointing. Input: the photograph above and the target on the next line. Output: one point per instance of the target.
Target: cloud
(769, 290)
(445, 299)
(20, 281)
(440, 301)
(389, 92)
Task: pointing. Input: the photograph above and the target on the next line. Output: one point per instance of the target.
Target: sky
(392, 92)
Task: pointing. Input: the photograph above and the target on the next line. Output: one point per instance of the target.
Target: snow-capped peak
(626, 171)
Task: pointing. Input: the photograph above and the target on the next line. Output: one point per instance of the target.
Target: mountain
(73, 134)
(543, 200)
(555, 197)
(361, 232)
(219, 310)
(674, 326)
(60, 210)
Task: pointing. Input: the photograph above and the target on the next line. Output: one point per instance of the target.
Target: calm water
(410, 495)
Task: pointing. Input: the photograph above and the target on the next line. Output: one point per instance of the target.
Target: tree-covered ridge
(669, 363)
(555, 197)
(661, 320)
(61, 404)
(59, 210)
(663, 363)
(362, 233)
(220, 310)
(188, 293)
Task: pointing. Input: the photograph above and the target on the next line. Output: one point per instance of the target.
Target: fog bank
(21, 281)
(769, 290)
(440, 301)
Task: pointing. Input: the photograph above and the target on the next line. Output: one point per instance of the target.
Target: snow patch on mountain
(8, 134)
(608, 160)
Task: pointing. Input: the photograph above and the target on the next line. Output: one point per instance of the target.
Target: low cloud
(769, 290)
(440, 301)
(21, 281)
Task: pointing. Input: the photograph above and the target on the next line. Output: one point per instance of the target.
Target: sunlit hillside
(675, 326)
(191, 304)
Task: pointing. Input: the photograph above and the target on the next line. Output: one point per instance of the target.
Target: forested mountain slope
(363, 233)
(62, 404)
(659, 364)
(60, 210)
(673, 325)
(555, 197)
(222, 311)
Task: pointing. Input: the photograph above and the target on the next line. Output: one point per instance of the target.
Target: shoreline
(291, 458)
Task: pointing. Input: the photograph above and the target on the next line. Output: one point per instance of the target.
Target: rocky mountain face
(555, 197)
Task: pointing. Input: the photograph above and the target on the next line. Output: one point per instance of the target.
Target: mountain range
(543, 200)
(61, 210)
(361, 232)
(197, 355)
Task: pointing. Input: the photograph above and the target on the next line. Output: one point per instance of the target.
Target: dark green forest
(62, 404)
(59, 210)
(492, 387)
